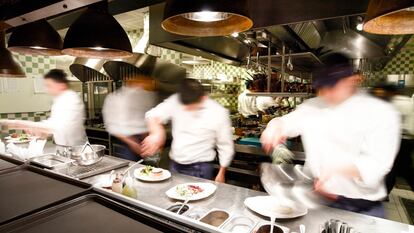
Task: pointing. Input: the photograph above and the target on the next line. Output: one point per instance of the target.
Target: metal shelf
(302, 62)
(280, 94)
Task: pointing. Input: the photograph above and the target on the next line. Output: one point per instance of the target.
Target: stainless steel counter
(231, 198)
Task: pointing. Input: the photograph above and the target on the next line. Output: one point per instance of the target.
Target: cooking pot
(88, 154)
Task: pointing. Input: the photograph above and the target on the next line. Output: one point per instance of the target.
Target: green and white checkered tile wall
(403, 63)
(36, 65)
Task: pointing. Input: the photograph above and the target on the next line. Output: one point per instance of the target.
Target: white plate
(266, 206)
(9, 139)
(165, 175)
(208, 190)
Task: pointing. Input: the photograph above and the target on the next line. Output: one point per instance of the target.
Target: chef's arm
(279, 129)
(224, 146)
(156, 118)
(37, 128)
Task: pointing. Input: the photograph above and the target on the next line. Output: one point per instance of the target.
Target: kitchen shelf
(280, 94)
(302, 62)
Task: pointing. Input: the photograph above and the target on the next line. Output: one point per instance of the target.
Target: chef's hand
(151, 144)
(221, 175)
(319, 186)
(272, 136)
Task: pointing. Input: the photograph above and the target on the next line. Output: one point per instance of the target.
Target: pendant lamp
(37, 38)
(9, 66)
(206, 17)
(97, 34)
(390, 17)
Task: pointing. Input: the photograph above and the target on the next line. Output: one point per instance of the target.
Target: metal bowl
(86, 158)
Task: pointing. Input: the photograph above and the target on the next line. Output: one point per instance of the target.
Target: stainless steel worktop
(231, 199)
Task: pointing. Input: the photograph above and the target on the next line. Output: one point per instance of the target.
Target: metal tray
(50, 161)
(27, 189)
(107, 164)
(89, 213)
(8, 163)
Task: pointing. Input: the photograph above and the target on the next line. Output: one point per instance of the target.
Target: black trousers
(403, 165)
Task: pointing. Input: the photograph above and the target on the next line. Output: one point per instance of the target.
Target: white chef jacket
(197, 133)
(124, 111)
(363, 131)
(265, 102)
(67, 119)
(247, 104)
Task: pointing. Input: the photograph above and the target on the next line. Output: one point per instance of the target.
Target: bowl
(89, 155)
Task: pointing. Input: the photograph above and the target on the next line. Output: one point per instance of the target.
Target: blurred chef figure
(66, 122)
(247, 104)
(403, 166)
(350, 138)
(200, 127)
(124, 114)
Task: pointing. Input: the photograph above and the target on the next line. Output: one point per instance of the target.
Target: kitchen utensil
(270, 206)
(133, 165)
(148, 178)
(176, 207)
(208, 190)
(86, 158)
(302, 228)
(184, 204)
(289, 64)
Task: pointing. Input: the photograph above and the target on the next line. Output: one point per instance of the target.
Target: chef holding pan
(350, 138)
(66, 121)
(200, 127)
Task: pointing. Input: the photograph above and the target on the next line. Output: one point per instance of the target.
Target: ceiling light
(206, 17)
(9, 66)
(97, 34)
(390, 17)
(359, 23)
(235, 34)
(37, 38)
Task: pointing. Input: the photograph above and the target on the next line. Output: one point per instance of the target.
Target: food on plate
(146, 170)
(188, 190)
(156, 172)
(19, 137)
(151, 171)
(283, 209)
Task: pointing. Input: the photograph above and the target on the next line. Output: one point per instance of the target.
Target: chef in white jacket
(200, 127)
(66, 121)
(350, 139)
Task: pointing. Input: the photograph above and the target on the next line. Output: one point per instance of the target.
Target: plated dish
(191, 191)
(151, 174)
(270, 206)
(18, 138)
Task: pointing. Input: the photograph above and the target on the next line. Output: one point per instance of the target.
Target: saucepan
(87, 154)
